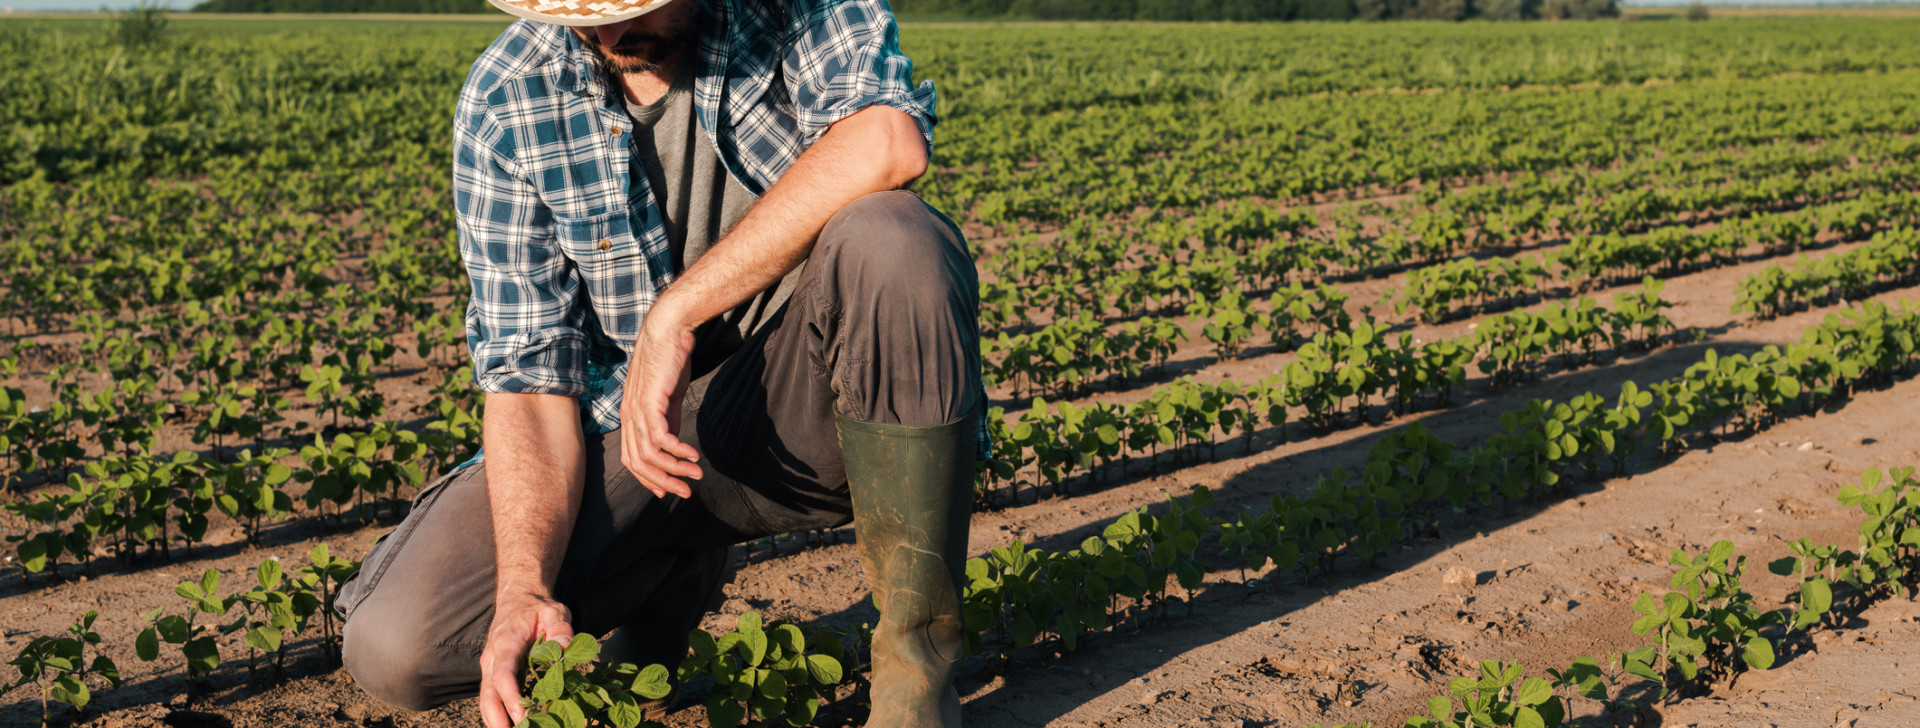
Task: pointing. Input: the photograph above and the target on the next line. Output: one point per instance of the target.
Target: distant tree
(1383, 9)
(1325, 10)
(1445, 9)
(1505, 9)
(1697, 11)
(1593, 9)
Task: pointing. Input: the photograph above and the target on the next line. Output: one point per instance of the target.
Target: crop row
(1443, 291)
(1709, 629)
(1165, 263)
(127, 504)
(223, 390)
(1891, 258)
(1344, 369)
(1071, 353)
(279, 607)
(1190, 155)
(1021, 593)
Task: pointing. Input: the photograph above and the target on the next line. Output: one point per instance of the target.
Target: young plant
(1497, 698)
(269, 613)
(565, 688)
(320, 581)
(199, 649)
(780, 671)
(59, 667)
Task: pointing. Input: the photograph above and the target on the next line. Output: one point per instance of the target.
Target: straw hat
(579, 12)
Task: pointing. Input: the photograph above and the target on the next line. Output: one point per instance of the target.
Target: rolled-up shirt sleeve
(846, 57)
(524, 319)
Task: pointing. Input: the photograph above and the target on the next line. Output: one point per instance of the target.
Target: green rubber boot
(912, 490)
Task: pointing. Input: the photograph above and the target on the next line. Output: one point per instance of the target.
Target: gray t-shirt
(701, 203)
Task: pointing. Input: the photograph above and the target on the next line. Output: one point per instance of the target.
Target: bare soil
(1549, 580)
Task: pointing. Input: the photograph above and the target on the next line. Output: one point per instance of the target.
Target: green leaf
(753, 646)
(550, 685)
(1816, 596)
(581, 650)
(68, 689)
(624, 711)
(824, 670)
(1759, 653)
(202, 654)
(264, 639)
(1534, 692)
(723, 712)
(568, 714)
(546, 653)
(652, 682)
(147, 645)
(1527, 717)
(269, 573)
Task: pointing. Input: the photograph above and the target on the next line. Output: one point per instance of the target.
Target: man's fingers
(491, 713)
(500, 691)
(662, 457)
(659, 482)
(506, 689)
(665, 441)
(672, 445)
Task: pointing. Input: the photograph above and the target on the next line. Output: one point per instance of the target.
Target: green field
(234, 294)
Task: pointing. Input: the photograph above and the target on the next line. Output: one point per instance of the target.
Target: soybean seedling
(58, 666)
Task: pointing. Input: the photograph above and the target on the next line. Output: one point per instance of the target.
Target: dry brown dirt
(1547, 581)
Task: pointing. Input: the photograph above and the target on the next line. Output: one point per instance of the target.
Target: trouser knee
(900, 306)
(406, 673)
(896, 249)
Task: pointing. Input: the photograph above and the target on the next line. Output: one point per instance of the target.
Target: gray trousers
(882, 327)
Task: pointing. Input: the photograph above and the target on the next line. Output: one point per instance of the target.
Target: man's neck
(647, 87)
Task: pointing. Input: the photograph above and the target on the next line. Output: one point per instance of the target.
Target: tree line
(1262, 9)
(1069, 9)
(341, 6)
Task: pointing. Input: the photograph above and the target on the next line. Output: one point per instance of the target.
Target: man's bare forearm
(535, 471)
(876, 149)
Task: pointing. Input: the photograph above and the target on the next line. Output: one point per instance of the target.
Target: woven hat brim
(578, 20)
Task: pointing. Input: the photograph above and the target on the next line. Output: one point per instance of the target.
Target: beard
(638, 51)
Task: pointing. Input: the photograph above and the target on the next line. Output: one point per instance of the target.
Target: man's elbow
(905, 158)
(909, 155)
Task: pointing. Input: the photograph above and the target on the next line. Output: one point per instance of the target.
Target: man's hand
(657, 375)
(519, 620)
(876, 149)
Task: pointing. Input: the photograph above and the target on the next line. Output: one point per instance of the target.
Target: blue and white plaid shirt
(566, 249)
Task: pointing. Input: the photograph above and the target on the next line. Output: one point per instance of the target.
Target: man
(704, 313)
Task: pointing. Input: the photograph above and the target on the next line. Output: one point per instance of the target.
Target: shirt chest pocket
(609, 255)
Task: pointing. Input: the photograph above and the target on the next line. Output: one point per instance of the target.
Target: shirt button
(616, 132)
(605, 244)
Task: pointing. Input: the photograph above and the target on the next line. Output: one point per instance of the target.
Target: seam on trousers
(740, 495)
(393, 543)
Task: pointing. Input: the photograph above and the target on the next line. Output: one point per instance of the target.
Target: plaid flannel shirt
(567, 250)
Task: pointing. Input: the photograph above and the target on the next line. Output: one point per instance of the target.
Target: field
(1526, 374)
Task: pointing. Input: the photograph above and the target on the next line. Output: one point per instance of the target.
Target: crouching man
(704, 312)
